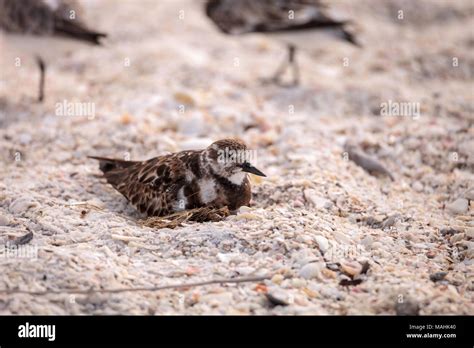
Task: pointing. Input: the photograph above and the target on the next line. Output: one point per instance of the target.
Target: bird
(294, 21)
(215, 177)
(44, 29)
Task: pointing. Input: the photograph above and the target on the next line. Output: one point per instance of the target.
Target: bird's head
(230, 159)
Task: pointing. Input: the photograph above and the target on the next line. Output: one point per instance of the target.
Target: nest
(177, 219)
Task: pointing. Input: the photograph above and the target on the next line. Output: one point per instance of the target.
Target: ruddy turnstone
(212, 177)
(293, 21)
(44, 29)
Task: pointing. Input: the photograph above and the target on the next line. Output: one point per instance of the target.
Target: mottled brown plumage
(246, 16)
(183, 180)
(46, 18)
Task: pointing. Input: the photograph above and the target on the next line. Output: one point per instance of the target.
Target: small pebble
(277, 278)
(417, 186)
(4, 221)
(311, 270)
(470, 232)
(459, 206)
(323, 243)
(25, 139)
(277, 297)
(367, 241)
(329, 274)
(377, 245)
(298, 282)
(407, 307)
(245, 270)
(21, 205)
(352, 269)
(456, 238)
(316, 200)
(469, 194)
(436, 277)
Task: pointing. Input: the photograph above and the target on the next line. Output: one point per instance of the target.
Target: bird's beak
(247, 167)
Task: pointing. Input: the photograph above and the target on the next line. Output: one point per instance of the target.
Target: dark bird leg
(276, 77)
(289, 61)
(294, 65)
(42, 67)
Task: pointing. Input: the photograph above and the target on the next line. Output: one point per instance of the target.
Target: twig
(156, 288)
(82, 203)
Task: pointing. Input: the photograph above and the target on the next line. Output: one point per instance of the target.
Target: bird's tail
(350, 37)
(348, 34)
(77, 31)
(108, 164)
(94, 37)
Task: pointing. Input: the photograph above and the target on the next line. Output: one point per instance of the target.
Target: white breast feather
(237, 178)
(207, 190)
(181, 202)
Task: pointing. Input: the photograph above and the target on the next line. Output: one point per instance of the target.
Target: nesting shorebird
(293, 21)
(44, 29)
(214, 177)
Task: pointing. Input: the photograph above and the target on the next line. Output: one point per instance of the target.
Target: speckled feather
(244, 16)
(45, 18)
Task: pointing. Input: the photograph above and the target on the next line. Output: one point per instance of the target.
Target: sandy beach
(331, 238)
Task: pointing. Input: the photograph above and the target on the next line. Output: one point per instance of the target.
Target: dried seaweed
(350, 282)
(203, 214)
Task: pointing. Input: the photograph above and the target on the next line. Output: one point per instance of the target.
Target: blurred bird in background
(45, 29)
(293, 21)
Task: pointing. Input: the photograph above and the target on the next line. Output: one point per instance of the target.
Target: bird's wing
(150, 185)
(46, 17)
(27, 16)
(66, 23)
(243, 16)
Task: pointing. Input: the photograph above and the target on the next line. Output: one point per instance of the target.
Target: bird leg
(294, 65)
(276, 77)
(42, 67)
(289, 61)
